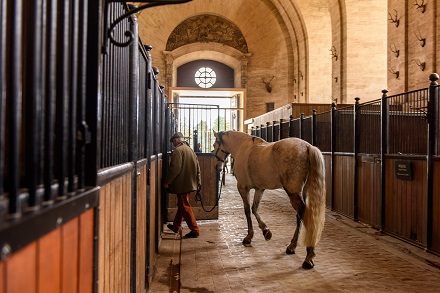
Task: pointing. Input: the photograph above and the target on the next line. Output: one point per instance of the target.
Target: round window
(205, 77)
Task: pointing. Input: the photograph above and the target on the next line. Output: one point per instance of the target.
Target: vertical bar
(433, 119)
(50, 96)
(3, 44)
(94, 96)
(63, 92)
(33, 99)
(282, 130)
(314, 126)
(274, 134)
(291, 127)
(267, 132)
(82, 87)
(14, 96)
(133, 113)
(73, 95)
(333, 149)
(384, 114)
(357, 121)
(301, 127)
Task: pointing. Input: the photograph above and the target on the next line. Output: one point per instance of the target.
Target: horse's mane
(255, 139)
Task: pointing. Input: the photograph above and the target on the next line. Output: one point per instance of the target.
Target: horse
(292, 164)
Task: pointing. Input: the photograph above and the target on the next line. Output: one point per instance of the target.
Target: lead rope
(199, 196)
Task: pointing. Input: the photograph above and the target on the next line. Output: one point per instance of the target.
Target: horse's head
(220, 151)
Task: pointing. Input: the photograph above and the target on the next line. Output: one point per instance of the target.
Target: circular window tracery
(205, 77)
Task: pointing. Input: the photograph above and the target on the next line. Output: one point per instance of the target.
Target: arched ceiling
(288, 39)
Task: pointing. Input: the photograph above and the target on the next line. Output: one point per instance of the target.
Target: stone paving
(350, 257)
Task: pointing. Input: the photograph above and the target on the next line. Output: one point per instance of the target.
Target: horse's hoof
(267, 234)
(308, 265)
(246, 242)
(288, 251)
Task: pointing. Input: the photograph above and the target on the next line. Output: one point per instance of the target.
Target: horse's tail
(314, 195)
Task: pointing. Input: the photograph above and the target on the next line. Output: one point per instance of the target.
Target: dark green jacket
(184, 172)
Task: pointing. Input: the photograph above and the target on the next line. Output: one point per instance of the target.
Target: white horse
(292, 164)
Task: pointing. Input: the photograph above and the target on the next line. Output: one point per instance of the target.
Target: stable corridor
(350, 257)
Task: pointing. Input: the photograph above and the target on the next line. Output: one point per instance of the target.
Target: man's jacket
(184, 172)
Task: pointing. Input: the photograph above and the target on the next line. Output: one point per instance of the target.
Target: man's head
(176, 138)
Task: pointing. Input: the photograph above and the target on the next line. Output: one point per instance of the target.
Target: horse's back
(274, 165)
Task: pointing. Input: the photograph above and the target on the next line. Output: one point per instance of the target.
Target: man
(199, 148)
(183, 178)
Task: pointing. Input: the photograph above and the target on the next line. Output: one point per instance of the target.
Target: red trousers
(184, 211)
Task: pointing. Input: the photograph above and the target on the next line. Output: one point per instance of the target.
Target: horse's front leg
(244, 192)
(257, 198)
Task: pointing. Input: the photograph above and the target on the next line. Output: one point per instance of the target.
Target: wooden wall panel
(436, 208)
(343, 184)
(52, 262)
(21, 270)
(69, 256)
(154, 190)
(115, 235)
(2, 280)
(141, 228)
(152, 218)
(161, 207)
(369, 201)
(49, 262)
(405, 202)
(86, 244)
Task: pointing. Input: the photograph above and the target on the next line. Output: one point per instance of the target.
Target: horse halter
(219, 141)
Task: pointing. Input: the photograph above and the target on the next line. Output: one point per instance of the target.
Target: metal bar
(356, 134)
(33, 100)
(63, 92)
(301, 127)
(50, 96)
(433, 119)
(333, 149)
(14, 96)
(94, 93)
(3, 18)
(72, 98)
(314, 126)
(384, 150)
(82, 94)
(133, 134)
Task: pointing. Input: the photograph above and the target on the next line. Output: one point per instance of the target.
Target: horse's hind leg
(294, 242)
(257, 198)
(244, 192)
(297, 203)
(308, 262)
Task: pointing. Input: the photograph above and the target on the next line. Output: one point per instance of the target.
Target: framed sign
(403, 170)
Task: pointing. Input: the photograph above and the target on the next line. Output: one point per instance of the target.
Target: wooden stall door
(208, 193)
(368, 190)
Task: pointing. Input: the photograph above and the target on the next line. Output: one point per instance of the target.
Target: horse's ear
(215, 134)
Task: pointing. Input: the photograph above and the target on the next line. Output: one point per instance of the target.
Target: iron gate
(197, 122)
